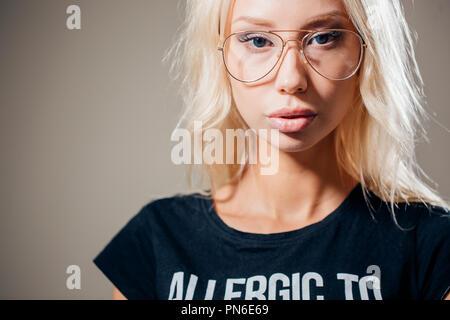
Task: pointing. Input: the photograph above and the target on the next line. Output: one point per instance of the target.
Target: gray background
(86, 118)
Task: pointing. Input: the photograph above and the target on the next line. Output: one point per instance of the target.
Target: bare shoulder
(117, 295)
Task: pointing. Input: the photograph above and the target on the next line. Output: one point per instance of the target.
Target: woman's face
(292, 84)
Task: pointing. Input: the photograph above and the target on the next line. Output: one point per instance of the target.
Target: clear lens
(335, 54)
(249, 56)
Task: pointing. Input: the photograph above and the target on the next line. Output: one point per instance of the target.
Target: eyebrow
(315, 22)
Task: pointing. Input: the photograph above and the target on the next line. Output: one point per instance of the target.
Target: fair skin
(306, 187)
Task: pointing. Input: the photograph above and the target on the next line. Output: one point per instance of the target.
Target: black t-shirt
(178, 248)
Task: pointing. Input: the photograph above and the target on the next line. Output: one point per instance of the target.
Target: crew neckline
(228, 231)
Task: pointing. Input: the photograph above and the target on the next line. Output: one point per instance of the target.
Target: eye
(324, 38)
(259, 42)
(255, 40)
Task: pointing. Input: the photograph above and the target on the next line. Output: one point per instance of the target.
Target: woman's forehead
(284, 14)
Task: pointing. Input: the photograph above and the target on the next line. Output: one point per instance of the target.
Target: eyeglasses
(335, 54)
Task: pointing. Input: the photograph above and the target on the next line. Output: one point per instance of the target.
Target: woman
(344, 215)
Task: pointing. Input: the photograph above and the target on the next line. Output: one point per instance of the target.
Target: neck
(307, 185)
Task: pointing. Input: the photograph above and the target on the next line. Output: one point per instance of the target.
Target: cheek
(336, 98)
(248, 102)
(331, 99)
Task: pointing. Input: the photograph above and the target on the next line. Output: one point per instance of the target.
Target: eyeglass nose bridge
(300, 47)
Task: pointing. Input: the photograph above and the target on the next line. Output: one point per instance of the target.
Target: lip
(291, 112)
(302, 118)
(291, 125)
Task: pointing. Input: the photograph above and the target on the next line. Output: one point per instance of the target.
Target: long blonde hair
(387, 114)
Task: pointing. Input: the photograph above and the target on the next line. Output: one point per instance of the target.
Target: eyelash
(248, 37)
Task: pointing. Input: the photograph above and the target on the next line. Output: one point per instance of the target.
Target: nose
(292, 77)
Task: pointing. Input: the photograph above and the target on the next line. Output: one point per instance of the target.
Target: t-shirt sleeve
(433, 256)
(128, 259)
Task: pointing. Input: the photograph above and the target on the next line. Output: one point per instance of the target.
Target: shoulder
(434, 215)
(178, 202)
(424, 218)
(416, 225)
(432, 247)
(178, 206)
(418, 216)
(433, 224)
(427, 225)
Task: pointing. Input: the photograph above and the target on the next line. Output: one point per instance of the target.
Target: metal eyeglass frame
(307, 35)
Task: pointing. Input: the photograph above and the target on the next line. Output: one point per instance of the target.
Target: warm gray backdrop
(86, 118)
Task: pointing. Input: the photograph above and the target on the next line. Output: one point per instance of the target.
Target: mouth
(292, 113)
(293, 117)
(292, 123)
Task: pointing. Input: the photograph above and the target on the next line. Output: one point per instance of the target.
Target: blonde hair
(387, 114)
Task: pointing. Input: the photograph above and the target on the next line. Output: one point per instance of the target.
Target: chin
(288, 143)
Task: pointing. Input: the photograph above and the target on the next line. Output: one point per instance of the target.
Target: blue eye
(324, 38)
(255, 40)
(259, 42)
